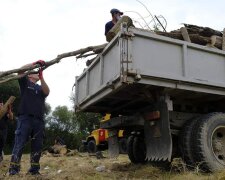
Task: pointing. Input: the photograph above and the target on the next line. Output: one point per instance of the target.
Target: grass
(82, 166)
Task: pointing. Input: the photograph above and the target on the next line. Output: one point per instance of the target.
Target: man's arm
(44, 85)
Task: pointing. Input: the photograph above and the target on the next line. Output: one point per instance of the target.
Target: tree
(71, 127)
(61, 123)
(62, 119)
(87, 122)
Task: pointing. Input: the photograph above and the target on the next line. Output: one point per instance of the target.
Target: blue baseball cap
(113, 11)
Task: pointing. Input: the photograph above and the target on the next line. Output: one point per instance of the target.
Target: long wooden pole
(5, 76)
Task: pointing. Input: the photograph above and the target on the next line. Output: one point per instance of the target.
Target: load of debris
(192, 33)
(196, 34)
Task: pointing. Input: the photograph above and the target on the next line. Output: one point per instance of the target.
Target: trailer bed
(137, 63)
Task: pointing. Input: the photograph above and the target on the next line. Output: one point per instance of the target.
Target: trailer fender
(113, 143)
(157, 134)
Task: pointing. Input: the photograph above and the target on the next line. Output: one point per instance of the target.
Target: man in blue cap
(30, 122)
(116, 15)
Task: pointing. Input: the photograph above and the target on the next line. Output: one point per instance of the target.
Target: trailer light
(152, 116)
(101, 135)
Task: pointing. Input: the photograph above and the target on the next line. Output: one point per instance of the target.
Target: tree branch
(4, 76)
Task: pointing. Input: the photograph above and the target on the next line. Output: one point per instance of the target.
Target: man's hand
(10, 113)
(40, 62)
(9, 108)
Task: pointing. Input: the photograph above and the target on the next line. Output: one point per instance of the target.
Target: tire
(123, 146)
(139, 150)
(186, 142)
(209, 142)
(92, 146)
(130, 153)
(82, 148)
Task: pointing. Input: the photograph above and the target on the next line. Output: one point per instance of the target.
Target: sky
(41, 29)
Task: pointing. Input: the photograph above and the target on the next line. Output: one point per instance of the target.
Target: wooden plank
(4, 109)
(185, 34)
(223, 41)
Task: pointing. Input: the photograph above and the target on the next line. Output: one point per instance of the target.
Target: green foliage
(62, 119)
(10, 89)
(87, 122)
(72, 128)
(48, 109)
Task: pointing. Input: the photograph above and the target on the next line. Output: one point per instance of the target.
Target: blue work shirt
(108, 26)
(32, 98)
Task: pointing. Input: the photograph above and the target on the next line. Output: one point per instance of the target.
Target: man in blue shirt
(4, 128)
(30, 121)
(116, 15)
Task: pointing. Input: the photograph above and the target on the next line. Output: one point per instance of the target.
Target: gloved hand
(40, 62)
(40, 73)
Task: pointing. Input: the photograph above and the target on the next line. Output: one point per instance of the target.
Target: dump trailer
(168, 95)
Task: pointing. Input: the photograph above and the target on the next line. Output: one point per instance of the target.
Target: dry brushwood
(214, 40)
(202, 31)
(58, 149)
(6, 76)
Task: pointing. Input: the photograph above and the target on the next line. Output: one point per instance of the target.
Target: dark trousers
(3, 136)
(28, 128)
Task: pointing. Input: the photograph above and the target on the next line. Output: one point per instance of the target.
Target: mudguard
(158, 136)
(113, 144)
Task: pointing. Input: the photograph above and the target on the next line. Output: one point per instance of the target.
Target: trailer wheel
(139, 150)
(123, 146)
(91, 146)
(130, 153)
(186, 142)
(82, 148)
(209, 142)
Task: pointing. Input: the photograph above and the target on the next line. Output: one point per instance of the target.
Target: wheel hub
(218, 144)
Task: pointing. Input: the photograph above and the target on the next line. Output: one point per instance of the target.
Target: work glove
(40, 62)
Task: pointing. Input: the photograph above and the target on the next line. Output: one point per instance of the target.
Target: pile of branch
(58, 150)
(200, 35)
(6, 76)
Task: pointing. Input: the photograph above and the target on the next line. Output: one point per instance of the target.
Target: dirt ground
(83, 166)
